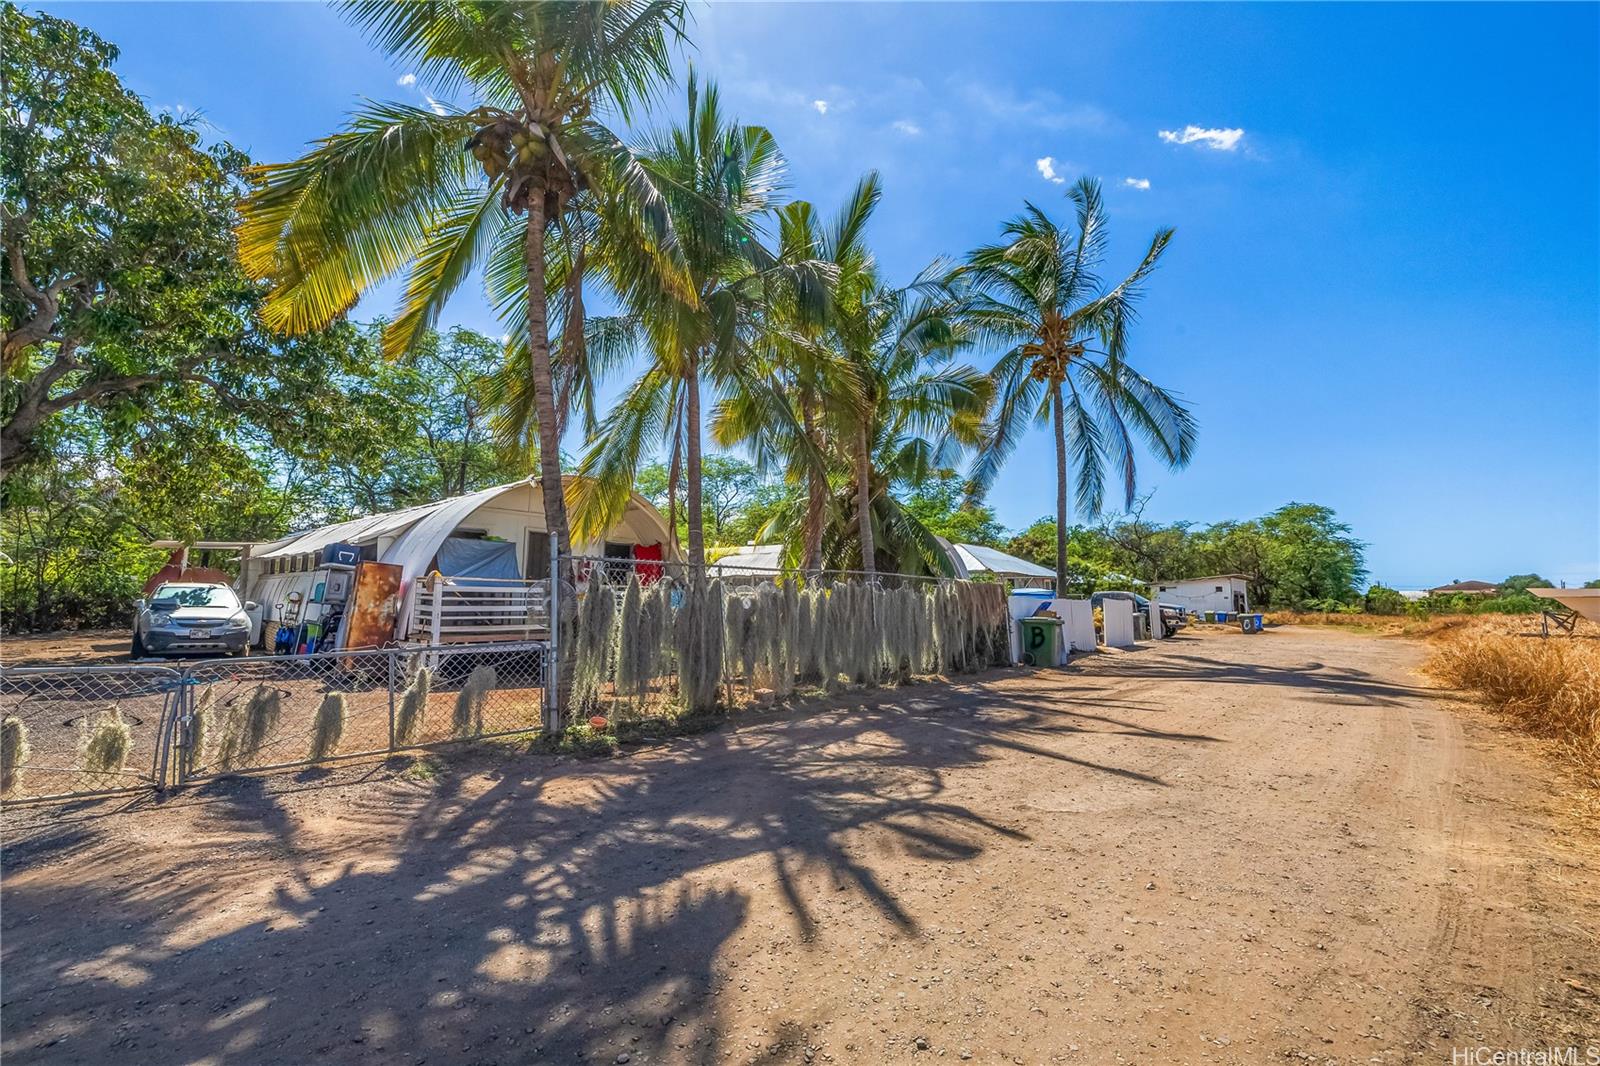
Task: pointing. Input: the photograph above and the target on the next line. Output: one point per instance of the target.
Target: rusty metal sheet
(373, 607)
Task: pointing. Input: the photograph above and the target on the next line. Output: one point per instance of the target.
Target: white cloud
(406, 81)
(435, 106)
(907, 127)
(821, 106)
(1038, 107)
(1219, 140)
(1047, 170)
(1142, 184)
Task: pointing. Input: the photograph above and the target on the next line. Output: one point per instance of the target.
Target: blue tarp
(467, 557)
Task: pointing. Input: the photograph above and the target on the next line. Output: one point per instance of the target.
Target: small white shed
(1218, 592)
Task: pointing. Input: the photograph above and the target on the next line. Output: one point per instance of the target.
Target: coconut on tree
(1038, 294)
(437, 192)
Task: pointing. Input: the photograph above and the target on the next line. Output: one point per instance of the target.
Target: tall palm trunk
(1059, 418)
(869, 548)
(674, 475)
(816, 496)
(697, 539)
(544, 397)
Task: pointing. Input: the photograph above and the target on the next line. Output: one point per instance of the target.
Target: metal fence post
(394, 653)
(174, 715)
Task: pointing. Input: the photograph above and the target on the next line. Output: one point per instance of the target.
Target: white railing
(453, 610)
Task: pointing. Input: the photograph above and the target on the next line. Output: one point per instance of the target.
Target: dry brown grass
(1549, 687)
(1385, 624)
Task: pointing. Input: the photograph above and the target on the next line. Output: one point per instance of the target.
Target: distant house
(1470, 588)
(1218, 592)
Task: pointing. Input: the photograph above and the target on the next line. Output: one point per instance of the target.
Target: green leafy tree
(939, 504)
(414, 430)
(1039, 295)
(762, 519)
(1089, 554)
(121, 293)
(729, 486)
(1311, 556)
(434, 195)
(1522, 583)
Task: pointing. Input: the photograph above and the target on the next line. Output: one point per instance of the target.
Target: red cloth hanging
(648, 575)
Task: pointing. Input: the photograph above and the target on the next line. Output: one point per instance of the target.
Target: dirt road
(1226, 849)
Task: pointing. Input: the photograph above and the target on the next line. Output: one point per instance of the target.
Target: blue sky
(1382, 295)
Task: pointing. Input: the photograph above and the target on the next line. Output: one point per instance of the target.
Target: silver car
(183, 618)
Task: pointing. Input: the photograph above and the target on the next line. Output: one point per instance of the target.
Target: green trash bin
(1041, 641)
(1211, 616)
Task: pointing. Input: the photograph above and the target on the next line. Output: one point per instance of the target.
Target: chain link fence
(72, 732)
(77, 731)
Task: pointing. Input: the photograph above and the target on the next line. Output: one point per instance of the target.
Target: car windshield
(171, 596)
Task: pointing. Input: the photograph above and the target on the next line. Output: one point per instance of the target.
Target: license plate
(199, 634)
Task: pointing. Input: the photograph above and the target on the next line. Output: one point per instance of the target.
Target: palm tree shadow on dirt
(553, 913)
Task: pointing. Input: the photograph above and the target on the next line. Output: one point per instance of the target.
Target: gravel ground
(1223, 849)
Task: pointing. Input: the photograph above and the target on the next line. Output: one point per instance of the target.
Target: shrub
(105, 749)
(1384, 600)
(13, 754)
(408, 720)
(327, 727)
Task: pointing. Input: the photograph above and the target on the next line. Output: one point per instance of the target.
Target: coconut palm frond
(355, 210)
(458, 241)
(608, 470)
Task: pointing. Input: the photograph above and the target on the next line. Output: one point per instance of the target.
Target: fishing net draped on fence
(634, 649)
(696, 644)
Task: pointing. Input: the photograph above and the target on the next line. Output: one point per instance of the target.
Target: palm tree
(916, 413)
(719, 178)
(865, 397)
(787, 408)
(1066, 340)
(436, 191)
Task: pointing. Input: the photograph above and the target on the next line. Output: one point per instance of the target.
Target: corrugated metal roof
(980, 559)
(355, 531)
(750, 559)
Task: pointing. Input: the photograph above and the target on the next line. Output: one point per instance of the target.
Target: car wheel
(137, 651)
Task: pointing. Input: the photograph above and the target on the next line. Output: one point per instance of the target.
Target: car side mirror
(251, 605)
(138, 604)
